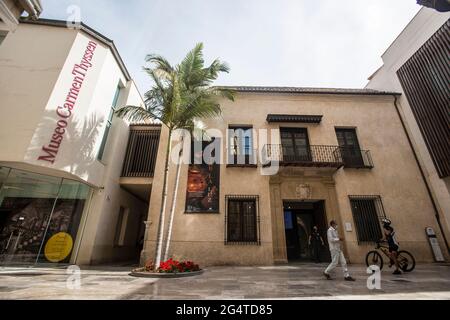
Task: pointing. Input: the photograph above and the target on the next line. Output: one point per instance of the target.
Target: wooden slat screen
(142, 149)
(425, 79)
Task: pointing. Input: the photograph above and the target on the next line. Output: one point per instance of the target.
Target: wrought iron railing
(368, 213)
(142, 149)
(318, 155)
(356, 158)
(242, 220)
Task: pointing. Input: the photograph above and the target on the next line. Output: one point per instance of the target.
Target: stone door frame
(294, 185)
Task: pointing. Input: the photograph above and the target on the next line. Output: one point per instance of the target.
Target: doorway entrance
(299, 219)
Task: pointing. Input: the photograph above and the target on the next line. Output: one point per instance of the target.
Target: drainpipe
(33, 7)
(436, 212)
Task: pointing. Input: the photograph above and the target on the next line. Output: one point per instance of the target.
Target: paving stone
(300, 281)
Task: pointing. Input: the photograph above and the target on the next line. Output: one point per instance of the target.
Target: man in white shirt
(336, 253)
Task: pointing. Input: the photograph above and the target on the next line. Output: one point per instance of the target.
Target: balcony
(356, 158)
(311, 156)
(316, 156)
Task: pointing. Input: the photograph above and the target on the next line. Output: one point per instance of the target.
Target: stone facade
(394, 177)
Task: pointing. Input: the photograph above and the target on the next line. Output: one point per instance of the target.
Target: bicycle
(406, 261)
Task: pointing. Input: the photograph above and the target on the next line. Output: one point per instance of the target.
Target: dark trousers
(315, 251)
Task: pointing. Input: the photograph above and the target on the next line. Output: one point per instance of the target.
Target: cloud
(323, 43)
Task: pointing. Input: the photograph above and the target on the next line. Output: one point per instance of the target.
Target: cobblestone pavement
(294, 281)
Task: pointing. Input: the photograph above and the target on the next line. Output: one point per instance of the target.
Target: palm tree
(180, 95)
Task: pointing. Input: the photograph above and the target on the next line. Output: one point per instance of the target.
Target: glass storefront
(39, 217)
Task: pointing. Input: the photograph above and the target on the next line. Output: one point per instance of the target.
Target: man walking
(337, 256)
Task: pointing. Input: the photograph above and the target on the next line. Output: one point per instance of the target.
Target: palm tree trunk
(174, 201)
(160, 237)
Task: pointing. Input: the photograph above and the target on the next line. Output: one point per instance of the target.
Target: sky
(304, 43)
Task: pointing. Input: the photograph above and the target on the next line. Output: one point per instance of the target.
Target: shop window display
(39, 217)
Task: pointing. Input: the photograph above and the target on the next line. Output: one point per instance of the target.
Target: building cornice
(307, 90)
(7, 16)
(88, 30)
(32, 7)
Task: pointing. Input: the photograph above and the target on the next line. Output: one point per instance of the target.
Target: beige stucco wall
(395, 178)
(418, 31)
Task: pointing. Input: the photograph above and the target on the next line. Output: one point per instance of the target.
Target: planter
(145, 274)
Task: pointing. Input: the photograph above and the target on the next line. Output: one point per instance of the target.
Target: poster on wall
(203, 185)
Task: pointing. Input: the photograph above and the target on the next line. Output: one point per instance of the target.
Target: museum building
(67, 192)
(79, 185)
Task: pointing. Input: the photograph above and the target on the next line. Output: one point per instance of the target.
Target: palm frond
(191, 67)
(183, 93)
(160, 63)
(216, 67)
(136, 114)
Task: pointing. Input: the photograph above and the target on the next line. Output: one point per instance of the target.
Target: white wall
(98, 240)
(36, 64)
(30, 64)
(78, 151)
(35, 78)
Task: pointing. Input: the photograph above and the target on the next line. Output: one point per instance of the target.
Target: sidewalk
(295, 281)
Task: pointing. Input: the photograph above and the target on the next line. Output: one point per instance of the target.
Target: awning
(294, 118)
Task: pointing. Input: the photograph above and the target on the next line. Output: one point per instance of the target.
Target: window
(242, 220)
(121, 227)
(367, 214)
(240, 146)
(350, 150)
(295, 145)
(108, 124)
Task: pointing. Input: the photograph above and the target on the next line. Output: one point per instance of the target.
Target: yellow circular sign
(58, 247)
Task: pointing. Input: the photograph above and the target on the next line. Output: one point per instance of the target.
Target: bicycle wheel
(406, 261)
(374, 258)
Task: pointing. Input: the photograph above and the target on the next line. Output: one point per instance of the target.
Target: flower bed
(173, 266)
(167, 269)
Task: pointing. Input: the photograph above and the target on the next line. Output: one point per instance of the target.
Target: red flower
(171, 266)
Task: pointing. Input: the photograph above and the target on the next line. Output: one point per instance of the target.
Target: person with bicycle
(392, 243)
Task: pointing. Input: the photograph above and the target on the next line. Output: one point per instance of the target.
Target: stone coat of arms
(303, 191)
